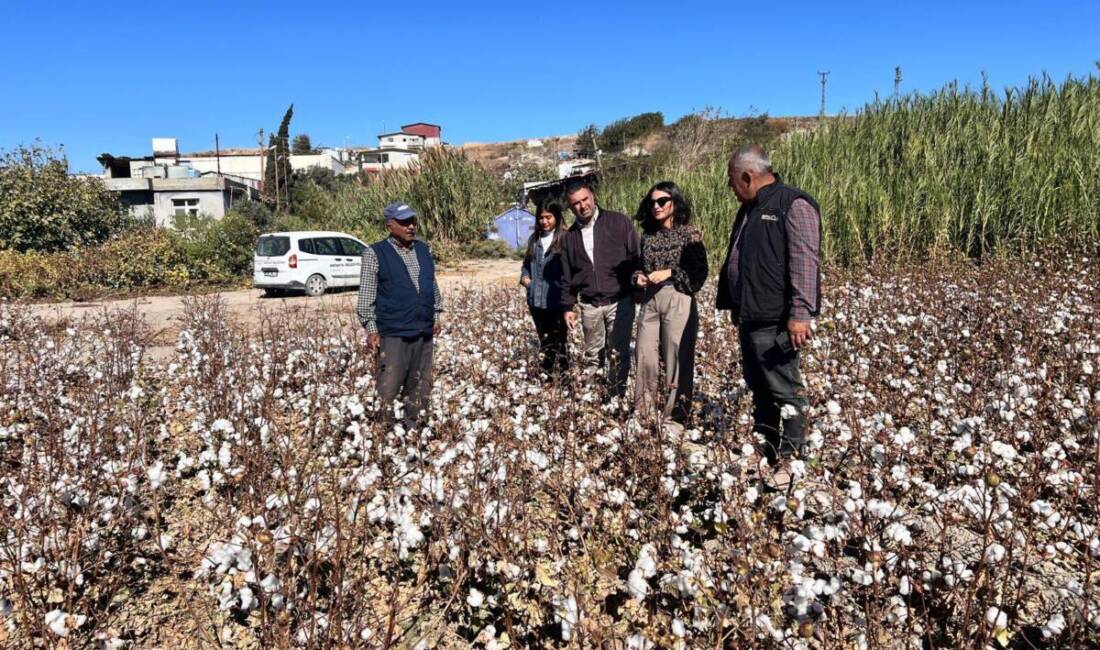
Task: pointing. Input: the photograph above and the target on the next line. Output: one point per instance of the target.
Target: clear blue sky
(108, 76)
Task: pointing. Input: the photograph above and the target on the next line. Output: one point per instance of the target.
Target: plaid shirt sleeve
(368, 291)
(803, 251)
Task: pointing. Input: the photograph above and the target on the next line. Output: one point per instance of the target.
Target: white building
(399, 149)
(244, 164)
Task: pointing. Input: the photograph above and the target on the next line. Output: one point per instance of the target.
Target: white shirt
(589, 238)
(545, 240)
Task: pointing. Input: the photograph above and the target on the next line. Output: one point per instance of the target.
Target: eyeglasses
(662, 201)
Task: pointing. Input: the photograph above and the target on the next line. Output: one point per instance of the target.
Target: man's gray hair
(751, 158)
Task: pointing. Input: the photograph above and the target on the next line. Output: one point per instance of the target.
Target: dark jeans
(405, 369)
(550, 326)
(772, 375)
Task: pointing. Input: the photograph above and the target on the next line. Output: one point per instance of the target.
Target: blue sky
(106, 76)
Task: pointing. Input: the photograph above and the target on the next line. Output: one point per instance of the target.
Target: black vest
(763, 284)
(401, 310)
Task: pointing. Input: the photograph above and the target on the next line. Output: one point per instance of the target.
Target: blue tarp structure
(514, 226)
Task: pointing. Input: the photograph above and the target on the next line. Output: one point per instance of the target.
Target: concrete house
(163, 185)
(400, 149)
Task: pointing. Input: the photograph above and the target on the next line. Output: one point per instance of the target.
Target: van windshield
(272, 246)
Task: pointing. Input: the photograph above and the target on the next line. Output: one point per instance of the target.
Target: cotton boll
(565, 611)
(646, 562)
(61, 623)
(997, 618)
(994, 553)
(248, 599)
(156, 475)
(1054, 626)
(475, 598)
(636, 585)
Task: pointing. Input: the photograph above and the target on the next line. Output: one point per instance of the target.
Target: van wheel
(315, 285)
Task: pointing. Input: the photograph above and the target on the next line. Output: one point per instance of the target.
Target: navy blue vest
(763, 286)
(400, 309)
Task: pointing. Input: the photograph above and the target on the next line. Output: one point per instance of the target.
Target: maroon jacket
(616, 247)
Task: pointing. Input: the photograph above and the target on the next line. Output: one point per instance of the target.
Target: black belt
(602, 302)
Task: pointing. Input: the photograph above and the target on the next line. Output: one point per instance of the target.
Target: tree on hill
(277, 174)
(302, 145)
(587, 142)
(619, 133)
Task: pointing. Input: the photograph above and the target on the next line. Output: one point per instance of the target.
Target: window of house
(185, 207)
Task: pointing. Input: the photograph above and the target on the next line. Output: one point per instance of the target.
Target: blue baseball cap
(399, 211)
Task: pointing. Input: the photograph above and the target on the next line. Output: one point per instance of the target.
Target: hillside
(693, 132)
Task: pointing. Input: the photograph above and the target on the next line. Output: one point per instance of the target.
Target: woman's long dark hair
(681, 208)
(554, 206)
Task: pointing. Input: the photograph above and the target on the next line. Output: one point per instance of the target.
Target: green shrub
(257, 212)
(143, 258)
(219, 249)
(42, 208)
(488, 249)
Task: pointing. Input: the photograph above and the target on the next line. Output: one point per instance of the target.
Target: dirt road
(163, 312)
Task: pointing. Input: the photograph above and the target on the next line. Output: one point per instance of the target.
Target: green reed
(957, 170)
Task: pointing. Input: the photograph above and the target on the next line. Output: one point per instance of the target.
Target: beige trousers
(607, 332)
(667, 326)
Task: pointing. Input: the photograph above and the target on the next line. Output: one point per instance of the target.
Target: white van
(310, 261)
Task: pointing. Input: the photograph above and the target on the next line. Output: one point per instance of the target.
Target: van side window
(351, 247)
(327, 246)
(306, 246)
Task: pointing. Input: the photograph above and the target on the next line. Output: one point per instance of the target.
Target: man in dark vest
(771, 282)
(399, 305)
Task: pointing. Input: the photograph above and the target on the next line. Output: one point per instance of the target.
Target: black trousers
(778, 394)
(552, 332)
(405, 371)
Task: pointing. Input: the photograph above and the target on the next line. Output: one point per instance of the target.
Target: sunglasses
(662, 201)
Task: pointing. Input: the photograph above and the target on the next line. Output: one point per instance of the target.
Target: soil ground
(163, 313)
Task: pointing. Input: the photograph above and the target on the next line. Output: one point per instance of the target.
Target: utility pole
(260, 146)
(218, 153)
(897, 80)
(599, 158)
(824, 80)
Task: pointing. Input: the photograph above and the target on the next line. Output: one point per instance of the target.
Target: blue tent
(513, 226)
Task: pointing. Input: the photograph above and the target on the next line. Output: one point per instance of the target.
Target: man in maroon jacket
(599, 256)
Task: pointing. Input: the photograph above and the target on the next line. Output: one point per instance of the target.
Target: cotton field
(239, 494)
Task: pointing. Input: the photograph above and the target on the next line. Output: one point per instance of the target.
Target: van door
(331, 259)
(309, 262)
(353, 252)
(269, 263)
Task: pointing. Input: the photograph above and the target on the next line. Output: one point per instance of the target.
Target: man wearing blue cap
(399, 305)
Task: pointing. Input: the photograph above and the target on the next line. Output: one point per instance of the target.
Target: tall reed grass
(454, 199)
(958, 170)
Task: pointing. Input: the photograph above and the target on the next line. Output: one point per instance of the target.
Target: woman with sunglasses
(674, 268)
(541, 275)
